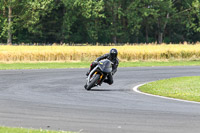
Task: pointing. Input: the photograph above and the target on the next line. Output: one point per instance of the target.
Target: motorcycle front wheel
(93, 81)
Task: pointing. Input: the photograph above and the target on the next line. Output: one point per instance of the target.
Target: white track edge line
(138, 91)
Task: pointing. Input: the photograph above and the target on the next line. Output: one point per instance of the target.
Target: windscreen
(105, 66)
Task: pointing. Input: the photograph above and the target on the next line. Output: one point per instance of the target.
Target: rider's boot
(91, 67)
(107, 81)
(87, 74)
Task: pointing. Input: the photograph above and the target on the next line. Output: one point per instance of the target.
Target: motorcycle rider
(112, 56)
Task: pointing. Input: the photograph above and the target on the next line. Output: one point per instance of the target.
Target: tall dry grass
(90, 53)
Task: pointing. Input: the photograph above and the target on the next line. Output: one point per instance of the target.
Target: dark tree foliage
(99, 21)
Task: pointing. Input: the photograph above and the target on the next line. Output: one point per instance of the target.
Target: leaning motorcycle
(98, 74)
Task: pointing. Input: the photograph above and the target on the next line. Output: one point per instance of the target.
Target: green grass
(187, 88)
(52, 65)
(23, 130)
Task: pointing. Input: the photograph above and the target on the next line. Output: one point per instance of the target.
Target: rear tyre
(92, 82)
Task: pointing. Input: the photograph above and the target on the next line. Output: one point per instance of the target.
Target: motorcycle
(98, 74)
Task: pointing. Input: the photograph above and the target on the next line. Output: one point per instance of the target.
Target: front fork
(102, 78)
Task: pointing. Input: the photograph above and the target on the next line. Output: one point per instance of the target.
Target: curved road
(55, 99)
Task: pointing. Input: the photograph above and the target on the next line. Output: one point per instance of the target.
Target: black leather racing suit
(115, 64)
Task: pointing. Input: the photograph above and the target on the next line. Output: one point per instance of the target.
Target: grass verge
(187, 88)
(23, 130)
(53, 65)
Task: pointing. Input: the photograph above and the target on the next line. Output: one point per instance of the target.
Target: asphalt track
(56, 100)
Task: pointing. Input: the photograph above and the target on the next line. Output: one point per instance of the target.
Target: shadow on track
(109, 90)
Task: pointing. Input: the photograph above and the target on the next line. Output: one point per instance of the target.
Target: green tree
(86, 15)
(7, 8)
(104, 21)
(3, 21)
(114, 19)
(20, 14)
(35, 11)
(192, 11)
(141, 13)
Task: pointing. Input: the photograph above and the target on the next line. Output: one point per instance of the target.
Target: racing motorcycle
(98, 74)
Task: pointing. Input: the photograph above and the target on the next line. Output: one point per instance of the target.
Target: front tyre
(94, 81)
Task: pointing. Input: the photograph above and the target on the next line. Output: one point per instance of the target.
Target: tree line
(99, 21)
